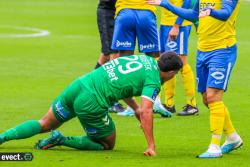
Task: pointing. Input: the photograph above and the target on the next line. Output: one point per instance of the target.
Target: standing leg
(220, 64)
(233, 140)
(188, 81)
(220, 121)
(169, 88)
(105, 21)
(170, 85)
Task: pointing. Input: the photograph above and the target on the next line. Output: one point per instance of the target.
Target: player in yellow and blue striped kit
(216, 56)
(174, 35)
(135, 19)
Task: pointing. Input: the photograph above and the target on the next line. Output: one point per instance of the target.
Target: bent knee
(109, 142)
(47, 125)
(212, 98)
(108, 146)
(111, 146)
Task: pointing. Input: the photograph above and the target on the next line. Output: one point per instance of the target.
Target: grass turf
(33, 71)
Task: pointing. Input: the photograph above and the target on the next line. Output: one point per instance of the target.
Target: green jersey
(125, 77)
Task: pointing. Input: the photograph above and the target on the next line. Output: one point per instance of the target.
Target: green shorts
(78, 101)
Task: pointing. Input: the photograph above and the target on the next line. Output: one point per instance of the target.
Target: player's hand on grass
(173, 34)
(150, 152)
(154, 2)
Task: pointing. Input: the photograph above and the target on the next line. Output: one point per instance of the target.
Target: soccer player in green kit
(89, 97)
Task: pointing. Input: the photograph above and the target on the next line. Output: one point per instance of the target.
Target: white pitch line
(38, 32)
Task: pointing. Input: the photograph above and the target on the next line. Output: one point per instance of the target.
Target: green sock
(82, 143)
(25, 130)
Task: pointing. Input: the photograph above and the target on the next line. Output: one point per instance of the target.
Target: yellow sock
(216, 139)
(228, 125)
(189, 84)
(217, 117)
(169, 88)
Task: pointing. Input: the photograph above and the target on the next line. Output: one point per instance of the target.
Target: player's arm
(174, 32)
(188, 14)
(132, 103)
(224, 13)
(146, 117)
(186, 5)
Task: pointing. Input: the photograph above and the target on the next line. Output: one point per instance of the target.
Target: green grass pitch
(33, 71)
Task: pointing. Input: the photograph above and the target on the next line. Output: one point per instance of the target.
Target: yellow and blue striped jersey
(213, 33)
(168, 18)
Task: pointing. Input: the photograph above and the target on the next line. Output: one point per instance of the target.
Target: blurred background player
(135, 19)
(174, 35)
(106, 21)
(89, 97)
(216, 56)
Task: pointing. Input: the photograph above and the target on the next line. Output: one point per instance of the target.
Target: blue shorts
(180, 45)
(132, 23)
(213, 68)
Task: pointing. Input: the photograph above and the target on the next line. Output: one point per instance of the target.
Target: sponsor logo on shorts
(125, 44)
(218, 75)
(218, 82)
(148, 46)
(172, 45)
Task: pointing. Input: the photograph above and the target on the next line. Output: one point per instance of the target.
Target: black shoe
(170, 109)
(117, 107)
(188, 110)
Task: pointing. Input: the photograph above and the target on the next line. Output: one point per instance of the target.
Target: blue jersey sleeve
(226, 10)
(188, 14)
(186, 5)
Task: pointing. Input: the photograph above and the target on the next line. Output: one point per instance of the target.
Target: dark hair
(169, 61)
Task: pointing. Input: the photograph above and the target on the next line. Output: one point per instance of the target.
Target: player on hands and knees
(136, 20)
(89, 97)
(106, 21)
